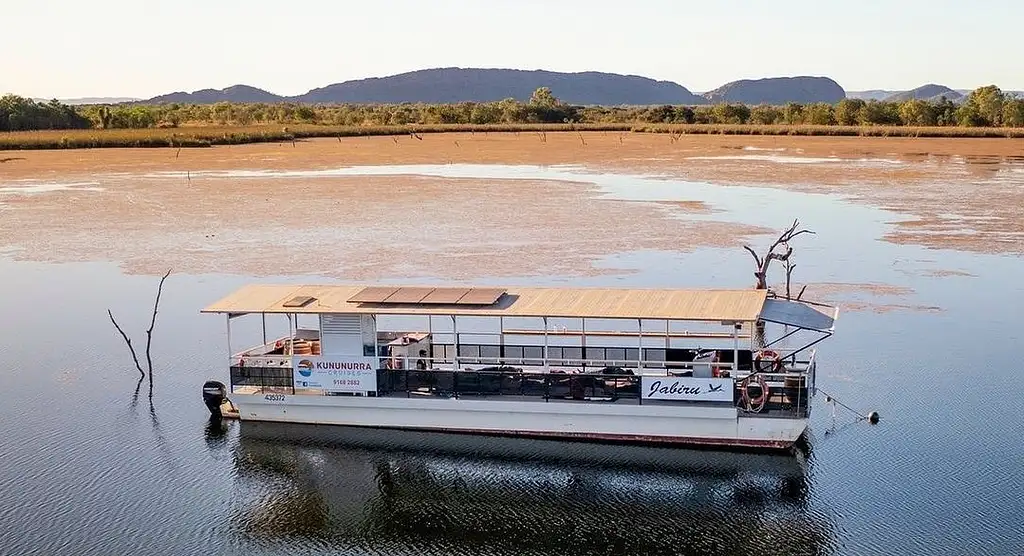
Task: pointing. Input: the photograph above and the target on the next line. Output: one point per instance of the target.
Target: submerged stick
(149, 332)
(128, 341)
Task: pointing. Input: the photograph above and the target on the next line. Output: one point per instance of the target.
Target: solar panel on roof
(408, 295)
(445, 296)
(481, 296)
(373, 294)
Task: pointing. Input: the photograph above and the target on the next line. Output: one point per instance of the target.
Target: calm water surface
(91, 468)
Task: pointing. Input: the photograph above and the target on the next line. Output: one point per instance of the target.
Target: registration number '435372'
(274, 397)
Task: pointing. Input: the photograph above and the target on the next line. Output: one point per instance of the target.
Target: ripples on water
(467, 495)
(87, 471)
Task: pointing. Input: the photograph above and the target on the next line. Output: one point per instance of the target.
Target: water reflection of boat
(458, 496)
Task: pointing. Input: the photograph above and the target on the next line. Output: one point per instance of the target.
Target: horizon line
(136, 98)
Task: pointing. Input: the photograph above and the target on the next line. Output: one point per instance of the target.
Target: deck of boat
(777, 407)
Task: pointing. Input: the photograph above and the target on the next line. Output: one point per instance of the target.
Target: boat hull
(591, 422)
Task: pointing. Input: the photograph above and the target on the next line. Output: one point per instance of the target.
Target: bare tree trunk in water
(761, 271)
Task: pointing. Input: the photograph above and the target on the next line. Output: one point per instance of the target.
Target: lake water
(91, 468)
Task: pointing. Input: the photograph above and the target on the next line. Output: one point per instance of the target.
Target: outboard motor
(214, 393)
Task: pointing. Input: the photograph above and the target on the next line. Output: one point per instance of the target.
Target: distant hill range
(447, 85)
(778, 90)
(450, 85)
(236, 93)
(872, 94)
(929, 92)
(91, 100)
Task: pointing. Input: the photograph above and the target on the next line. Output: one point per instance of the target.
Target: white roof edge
(799, 314)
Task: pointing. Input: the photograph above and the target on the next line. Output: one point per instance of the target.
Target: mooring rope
(871, 417)
(836, 400)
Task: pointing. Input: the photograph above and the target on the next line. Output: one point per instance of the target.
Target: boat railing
(803, 364)
(789, 392)
(262, 361)
(255, 358)
(508, 382)
(262, 350)
(449, 364)
(277, 353)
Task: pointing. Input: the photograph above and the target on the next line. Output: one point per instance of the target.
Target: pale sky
(79, 48)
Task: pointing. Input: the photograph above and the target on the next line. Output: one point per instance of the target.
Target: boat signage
(687, 388)
(335, 373)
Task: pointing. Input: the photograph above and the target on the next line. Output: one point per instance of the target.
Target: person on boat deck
(421, 363)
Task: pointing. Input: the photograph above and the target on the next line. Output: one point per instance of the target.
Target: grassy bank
(833, 130)
(236, 135)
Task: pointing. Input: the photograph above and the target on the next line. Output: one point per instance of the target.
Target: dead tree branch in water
(789, 266)
(764, 263)
(128, 341)
(149, 332)
(149, 340)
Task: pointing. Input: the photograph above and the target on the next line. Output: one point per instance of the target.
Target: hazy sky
(74, 48)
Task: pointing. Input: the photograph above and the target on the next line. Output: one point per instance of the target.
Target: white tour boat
(600, 364)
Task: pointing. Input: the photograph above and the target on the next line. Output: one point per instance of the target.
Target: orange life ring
(770, 355)
(759, 402)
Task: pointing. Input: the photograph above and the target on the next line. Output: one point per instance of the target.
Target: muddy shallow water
(945, 193)
(927, 337)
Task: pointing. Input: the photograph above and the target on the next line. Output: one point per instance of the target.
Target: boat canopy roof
(800, 315)
(736, 305)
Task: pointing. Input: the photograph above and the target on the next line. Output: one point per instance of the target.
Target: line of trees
(18, 113)
(984, 107)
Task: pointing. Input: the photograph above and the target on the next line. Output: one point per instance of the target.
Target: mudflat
(156, 208)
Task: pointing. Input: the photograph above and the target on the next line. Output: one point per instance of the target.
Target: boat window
(490, 352)
(514, 352)
(594, 354)
(534, 354)
(632, 354)
(615, 354)
(442, 353)
(654, 354)
(573, 354)
(554, 352)
(469, 351)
